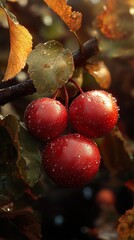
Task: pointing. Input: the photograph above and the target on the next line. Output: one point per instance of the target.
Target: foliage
(116, 155)
(20, 42)
(100, 72)
(71, 18)
(126, 225)
(50, 66)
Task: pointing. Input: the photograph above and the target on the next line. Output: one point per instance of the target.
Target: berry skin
(93, 113)
(45, 118)
(71, 160)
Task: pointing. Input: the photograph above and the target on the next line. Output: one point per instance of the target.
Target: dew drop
(88, 99)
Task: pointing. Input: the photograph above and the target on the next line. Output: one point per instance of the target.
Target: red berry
(46, 118)
(94, 113)
(71, 160)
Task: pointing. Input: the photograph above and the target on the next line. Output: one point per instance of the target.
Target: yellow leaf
(100, 72)
(71, 18)
(20, 46)
(126, 225)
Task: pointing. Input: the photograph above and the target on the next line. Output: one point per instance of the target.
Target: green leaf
(20, 161)
(50, 66)
(29, 161)
(16, 140)
(11, 185)
(11, 124)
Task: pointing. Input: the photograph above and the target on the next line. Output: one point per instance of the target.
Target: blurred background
(93, 211)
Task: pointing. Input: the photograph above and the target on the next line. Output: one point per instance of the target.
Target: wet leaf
(19, 161)
(100, 72)
(126, 226)
(71, 18)
(116, 156)
(50, 66)
(29, 160)
(20, 45)
(11, 185)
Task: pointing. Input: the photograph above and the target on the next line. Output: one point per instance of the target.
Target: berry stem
(66, 96)
(77, 86)
(56, 93)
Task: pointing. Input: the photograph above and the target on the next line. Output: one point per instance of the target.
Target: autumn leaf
(100, 72)
(20, 46)
(116, 155)
(126, 226)
(71, 18)
(108, 19)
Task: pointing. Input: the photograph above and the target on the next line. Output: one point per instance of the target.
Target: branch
(12, 90)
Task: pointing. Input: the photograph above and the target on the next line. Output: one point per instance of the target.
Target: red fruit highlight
(93, 113)
(71, 160)
(46, 118)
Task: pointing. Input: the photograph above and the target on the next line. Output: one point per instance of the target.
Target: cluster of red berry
(72, 160)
